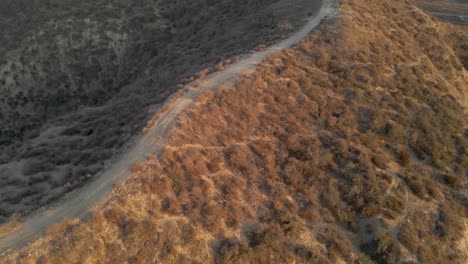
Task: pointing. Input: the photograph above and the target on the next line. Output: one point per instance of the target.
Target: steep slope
(78, 78)
(454, 11)
(352, 147)
(77, 203)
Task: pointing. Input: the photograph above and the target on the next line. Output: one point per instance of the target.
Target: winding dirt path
(77, 204)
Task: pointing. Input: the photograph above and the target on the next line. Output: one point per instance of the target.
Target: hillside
(78, 79)
(349, 148)
(454, 11)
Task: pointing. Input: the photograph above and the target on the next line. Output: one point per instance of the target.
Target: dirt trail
(77, 204)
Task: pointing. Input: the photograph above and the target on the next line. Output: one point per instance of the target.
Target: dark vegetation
(349, 149)
(77, 78)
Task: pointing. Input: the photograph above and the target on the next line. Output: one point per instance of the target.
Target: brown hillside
(350, 148)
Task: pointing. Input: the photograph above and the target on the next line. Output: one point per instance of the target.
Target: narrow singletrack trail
(78, 203)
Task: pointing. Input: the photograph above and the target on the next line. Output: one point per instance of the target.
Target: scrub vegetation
(349, 148)
(79, 78)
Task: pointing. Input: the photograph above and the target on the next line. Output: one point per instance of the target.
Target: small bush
(409, 237)
(383, 248)
(138, 167)
(449, 225)
(454, 181)
(61, 227)
(405, 158)
(395, 204)
(416, 185)
(381, 161)
(170, 205)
